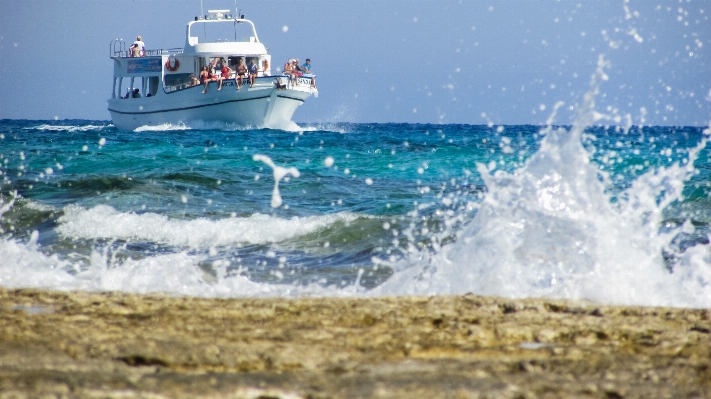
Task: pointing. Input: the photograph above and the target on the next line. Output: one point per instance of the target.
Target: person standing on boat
(241, 71)
(138, 48)
(253, 70)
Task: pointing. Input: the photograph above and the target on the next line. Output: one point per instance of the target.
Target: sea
(606, 214)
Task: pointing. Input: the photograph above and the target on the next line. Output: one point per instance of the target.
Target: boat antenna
(204, 27)
(236, 16)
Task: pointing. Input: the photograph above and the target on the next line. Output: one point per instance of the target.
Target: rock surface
(114, 345)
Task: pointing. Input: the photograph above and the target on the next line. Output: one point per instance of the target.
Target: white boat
(165, 93)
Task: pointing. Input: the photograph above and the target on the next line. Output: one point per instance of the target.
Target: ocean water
(616, 214)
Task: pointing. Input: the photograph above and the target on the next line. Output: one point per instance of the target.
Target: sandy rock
(113, 345)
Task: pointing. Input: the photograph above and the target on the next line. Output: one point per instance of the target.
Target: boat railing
(117, 49)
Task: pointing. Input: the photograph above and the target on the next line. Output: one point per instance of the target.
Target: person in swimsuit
(290, 72)
(204, 78)
(224, 73)
(241, 71)
(138, 48)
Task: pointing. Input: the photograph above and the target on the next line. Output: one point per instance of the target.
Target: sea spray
(279, 173)
(549, 229)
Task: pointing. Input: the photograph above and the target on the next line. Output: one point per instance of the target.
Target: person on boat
(136, 93)
(265, 67)
(307, 67)
(241, 71)
(301, 70)
(224, 73)
(291, 72)
(138, 48)
(193, 80)
(211, 69)
(204, 78)
(253, 70)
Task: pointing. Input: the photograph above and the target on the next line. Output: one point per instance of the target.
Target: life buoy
(174, 67)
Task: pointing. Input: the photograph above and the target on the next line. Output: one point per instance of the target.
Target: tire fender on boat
(174, 67)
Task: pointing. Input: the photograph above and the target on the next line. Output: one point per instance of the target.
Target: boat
(161, 86)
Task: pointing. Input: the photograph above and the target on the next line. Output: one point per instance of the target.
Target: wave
(104, 221)
(25, 266)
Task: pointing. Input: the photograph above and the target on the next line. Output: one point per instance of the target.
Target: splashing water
(549, 229)
(279, 173)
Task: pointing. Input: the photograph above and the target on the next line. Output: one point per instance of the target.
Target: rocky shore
(114, 345)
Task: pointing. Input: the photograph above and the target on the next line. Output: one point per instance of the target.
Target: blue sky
(506, 62)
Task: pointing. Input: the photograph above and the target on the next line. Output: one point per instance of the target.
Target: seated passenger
(291, 72)
(301, 70)
(136, 93)
(241, 71)
(252, 73)
(224, 73)
(204, 78)
(278, 84)
(308, 74)
(193, 80)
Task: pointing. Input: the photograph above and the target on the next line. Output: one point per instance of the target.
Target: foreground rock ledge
(106, 345)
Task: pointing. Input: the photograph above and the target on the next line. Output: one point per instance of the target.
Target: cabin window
(153, 85)
(177, 81)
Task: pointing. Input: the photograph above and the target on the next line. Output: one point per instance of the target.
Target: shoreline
(109, 344)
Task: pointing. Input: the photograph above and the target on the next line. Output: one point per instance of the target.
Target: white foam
(104, 221)
(59, 128)
(24, 266)
(550, 230)
(195, 125)
(163, 127)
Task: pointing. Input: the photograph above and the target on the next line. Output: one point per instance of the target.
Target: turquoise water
(376, 209)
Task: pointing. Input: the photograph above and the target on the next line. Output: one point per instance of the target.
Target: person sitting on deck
(290, 71)
(224, 73)
(301, 70)
(308, 74)
(193, 80)
(241, 71)
(204, 78)
(253, 70)
(138, 48)
(278, 85)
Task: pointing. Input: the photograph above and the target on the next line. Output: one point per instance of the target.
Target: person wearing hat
(290, 71)
(138, 48)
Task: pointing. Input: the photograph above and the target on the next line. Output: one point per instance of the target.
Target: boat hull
(250, 107)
